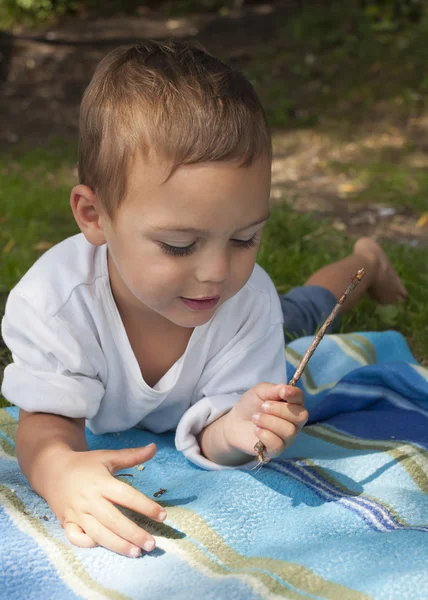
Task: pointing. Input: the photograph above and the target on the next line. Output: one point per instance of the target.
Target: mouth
(200, 303)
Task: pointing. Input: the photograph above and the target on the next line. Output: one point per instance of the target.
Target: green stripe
(370, 349)
(350, 348)
(402, 452)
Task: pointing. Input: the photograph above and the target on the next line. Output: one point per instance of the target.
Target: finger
(116, 522)
(292, 394)
(128, 457)
(127, 496)
(108, 539)
(290, 412)
(283, 429)
(78, 537)
(268, 391)
(274, 444)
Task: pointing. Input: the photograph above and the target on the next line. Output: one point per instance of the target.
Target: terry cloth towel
(343, 514)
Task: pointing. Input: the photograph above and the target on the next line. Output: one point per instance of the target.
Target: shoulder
(51, 281)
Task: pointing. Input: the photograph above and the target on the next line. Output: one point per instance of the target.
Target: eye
(177, 250)
(246, 243)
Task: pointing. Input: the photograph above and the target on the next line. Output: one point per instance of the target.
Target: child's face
(194, 236)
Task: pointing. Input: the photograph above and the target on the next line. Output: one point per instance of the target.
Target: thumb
(128, 457)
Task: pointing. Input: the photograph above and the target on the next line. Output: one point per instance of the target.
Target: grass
(34, 191)
(329, 68)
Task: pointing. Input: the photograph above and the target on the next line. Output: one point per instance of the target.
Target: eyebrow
(203, 231)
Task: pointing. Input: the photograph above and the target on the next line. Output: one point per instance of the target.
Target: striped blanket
(343, 514)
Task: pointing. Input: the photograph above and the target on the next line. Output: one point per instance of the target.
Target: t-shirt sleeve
(51, 371)
(254, 355)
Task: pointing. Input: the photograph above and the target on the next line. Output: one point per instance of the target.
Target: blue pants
(305, 309)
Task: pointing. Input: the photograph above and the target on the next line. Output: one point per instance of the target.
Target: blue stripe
(382, 518)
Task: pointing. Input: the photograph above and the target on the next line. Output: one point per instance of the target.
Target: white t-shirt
(72, 355)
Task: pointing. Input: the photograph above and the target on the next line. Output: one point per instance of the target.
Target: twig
(260, 447)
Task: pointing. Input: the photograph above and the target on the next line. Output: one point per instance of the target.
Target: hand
(261, 414)
(83, 492)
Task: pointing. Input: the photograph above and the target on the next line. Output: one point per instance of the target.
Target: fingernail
(149, 545)
(135, 552)
(256, 417)
(162, 515)
(266, 406)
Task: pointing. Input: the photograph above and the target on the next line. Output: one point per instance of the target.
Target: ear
(89, 217)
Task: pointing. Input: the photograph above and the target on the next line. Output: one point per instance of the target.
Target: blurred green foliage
(380, 14)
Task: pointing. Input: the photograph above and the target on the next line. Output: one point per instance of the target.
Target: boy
(156, 314)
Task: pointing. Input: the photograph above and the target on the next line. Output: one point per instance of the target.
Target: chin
(193, 320)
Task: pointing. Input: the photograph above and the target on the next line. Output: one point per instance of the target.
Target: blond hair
(173, 99)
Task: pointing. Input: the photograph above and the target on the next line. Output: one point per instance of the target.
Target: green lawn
(34, 192)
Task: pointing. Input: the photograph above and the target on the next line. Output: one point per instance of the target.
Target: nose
(213, 267)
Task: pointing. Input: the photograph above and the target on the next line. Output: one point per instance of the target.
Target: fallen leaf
(423, 220)
(41, 246)
(349, 188)
(8, 247)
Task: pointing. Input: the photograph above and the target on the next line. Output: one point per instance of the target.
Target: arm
(41, 440)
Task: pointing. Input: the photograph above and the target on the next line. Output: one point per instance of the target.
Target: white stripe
(337, 498)
(423, 371)
(349, 351)
(355, 500)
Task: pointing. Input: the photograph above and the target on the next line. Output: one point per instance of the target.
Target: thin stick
(260, 447)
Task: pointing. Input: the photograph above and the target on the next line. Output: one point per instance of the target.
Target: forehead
(210, 191)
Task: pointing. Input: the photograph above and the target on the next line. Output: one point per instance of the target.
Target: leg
(381, 281)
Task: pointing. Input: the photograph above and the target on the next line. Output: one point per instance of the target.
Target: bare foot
(386, 286)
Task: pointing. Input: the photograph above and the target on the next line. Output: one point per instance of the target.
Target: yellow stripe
(65, 562)
(412, 458)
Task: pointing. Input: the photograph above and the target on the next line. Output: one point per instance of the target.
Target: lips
(200, 303)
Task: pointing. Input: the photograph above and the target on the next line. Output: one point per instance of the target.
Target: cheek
(242, 267)
(158, 275)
